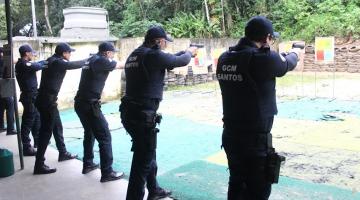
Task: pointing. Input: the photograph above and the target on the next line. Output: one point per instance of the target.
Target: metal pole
(33, 18)
(10, 43)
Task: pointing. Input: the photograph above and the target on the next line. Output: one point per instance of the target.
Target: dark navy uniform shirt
(26, 75)
(145, 71)
(247, 78)
(53, 76)
(93, 77)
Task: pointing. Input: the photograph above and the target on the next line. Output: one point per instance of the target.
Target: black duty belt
(92, 101)
(140, 103)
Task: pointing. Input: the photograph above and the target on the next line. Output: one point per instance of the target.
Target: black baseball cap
(259, 26)
(63, 47)
(157, 32)
(107, 46)
(25, 48)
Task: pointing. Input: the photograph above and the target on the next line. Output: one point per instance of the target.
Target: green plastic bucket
(6, 163)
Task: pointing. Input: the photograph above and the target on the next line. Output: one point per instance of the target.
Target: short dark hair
(151, 43)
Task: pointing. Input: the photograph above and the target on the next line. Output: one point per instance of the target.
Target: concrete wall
(127, 45)
(347, 60)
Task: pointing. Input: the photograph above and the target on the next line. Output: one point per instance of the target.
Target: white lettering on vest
(132, 65)
(229, 68)
(230, 77)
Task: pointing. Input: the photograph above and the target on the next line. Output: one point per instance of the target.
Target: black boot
(11, 132)
(158, 194)
(29, 151)
(112, 176)
(43, 169)
(66, 156)
(89, 167)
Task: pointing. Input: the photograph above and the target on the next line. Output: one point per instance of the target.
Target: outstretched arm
(74, 64)
(162, 60)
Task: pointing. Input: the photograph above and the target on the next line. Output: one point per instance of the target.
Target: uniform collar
(243, 43)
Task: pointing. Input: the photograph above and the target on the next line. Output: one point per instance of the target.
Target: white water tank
(85, 22)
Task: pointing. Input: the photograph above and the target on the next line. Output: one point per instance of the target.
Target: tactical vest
(142, 81)
(239, 90)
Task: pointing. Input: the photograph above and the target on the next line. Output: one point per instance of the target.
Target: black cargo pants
(50, 123)
(144, 139)
(95, 127)
(30, 120)
(7, 104)
(245, 145)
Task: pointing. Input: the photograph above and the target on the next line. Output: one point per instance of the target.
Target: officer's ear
(156, 44)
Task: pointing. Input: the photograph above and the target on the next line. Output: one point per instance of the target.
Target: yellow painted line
(343, 135)
(329, 134)
(218, 158)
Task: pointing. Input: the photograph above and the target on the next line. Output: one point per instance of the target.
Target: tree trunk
(237, 9)
(223, 16)
(46, 13)
(229, 18)
(142, 9)
(207, 12)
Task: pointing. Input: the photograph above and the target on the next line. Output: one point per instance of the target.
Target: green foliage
(3, 31)
(306, 19)
(134, 23)
(237, 30)
(294, 19)
(192, 26)
(136, 28)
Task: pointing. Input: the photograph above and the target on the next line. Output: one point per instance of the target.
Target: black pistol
(274, 161)
(197, 45)
(298, 45)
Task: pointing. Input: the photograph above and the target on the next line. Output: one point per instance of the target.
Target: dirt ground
(324, 151)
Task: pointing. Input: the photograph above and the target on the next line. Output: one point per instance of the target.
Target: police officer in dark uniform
(247, 74)
(27, 80)
(145, 71)
(6, 104)
(50, 84)
(87, 107)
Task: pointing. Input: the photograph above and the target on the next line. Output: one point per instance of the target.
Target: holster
(274, 161)
(133, 111)
(96, 108)
(141, 124)
(150, 118)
